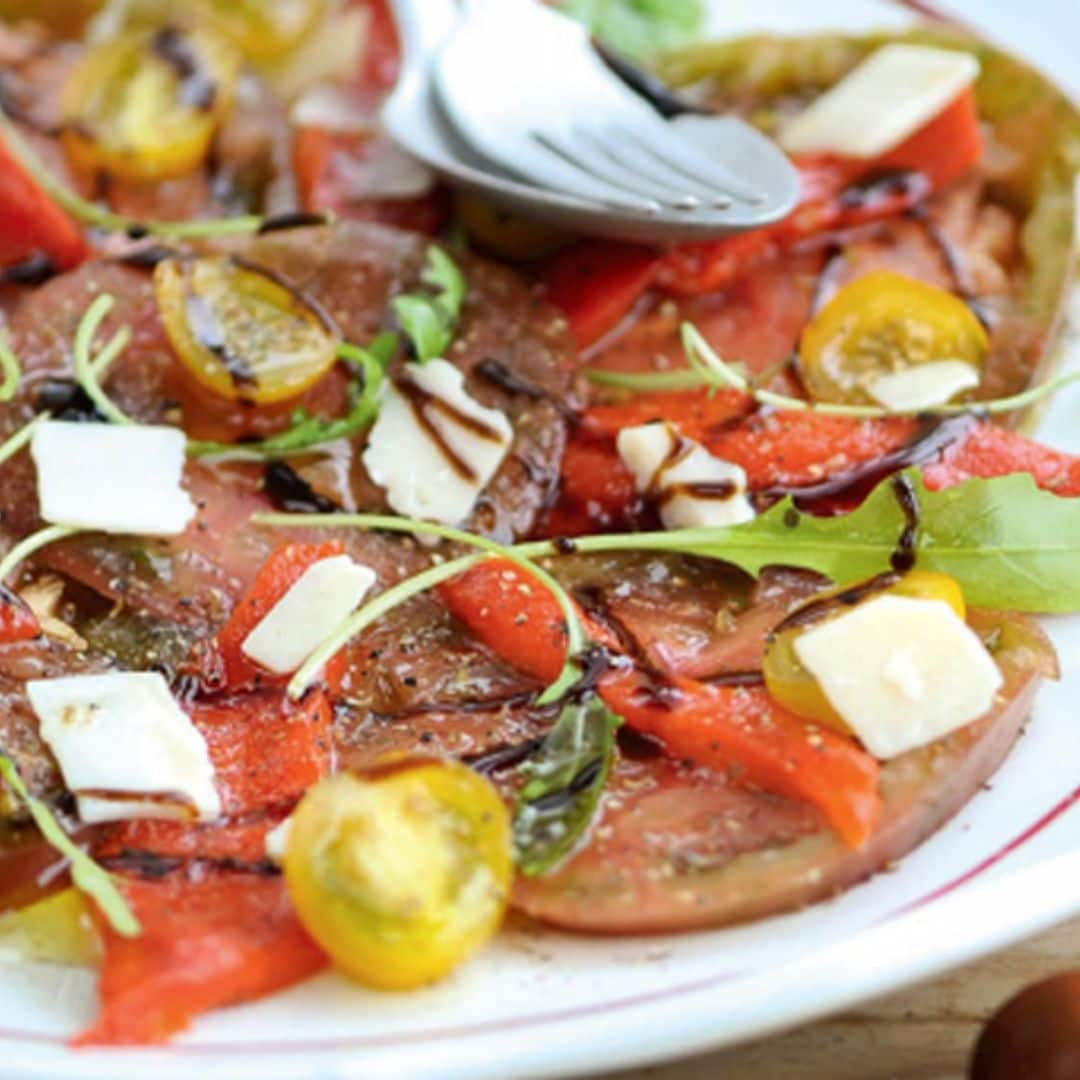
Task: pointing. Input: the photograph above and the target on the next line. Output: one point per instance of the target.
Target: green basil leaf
(430, 320)
(640, 28)
(424, 325)
(1010, 545)
(87, 876)
(566, 777)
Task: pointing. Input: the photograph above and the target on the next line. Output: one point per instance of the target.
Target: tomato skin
(268, 346)
(728, 728)
(17, 621)
(403, 873)
(31, 223)
(282, 569)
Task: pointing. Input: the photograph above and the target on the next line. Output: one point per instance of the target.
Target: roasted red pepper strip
(779, 449)
(276, 576)
(31, 223)
(596, 282)
(994, 451)
(266, 753)
(17, 621)
(219, 932)
(943, 150)
(206, 943)
(738, 729)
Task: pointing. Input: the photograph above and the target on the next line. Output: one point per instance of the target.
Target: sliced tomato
(277, 575)
(205, 943)
(31, 223)
(732, 729)
(595, 283)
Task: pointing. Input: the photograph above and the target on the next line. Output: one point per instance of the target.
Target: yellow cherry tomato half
(262, 29)
(242, 331)
(402, 874)
(789, 683)
(880, 324)
(144, 106)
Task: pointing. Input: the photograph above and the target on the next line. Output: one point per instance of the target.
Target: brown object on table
(1035, 1035)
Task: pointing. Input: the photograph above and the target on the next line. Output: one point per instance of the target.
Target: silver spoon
(710, 175)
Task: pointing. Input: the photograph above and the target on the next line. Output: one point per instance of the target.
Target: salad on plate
(375, 562)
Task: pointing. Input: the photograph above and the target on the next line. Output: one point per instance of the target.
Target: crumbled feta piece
(433, 447)
(691, 487)
(923, 386)
(118, 478)
(125, 747)
(883, 102)
(316, 604)
(901, 671)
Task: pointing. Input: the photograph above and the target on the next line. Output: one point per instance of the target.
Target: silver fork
(526, 88)
(634, 191)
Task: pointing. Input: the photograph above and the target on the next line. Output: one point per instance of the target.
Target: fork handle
(423, 26)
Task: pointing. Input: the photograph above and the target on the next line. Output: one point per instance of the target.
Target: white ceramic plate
(551, 1005)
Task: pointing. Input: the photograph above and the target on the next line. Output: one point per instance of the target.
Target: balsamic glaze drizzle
(291, 492)
(499, 375)
(420, 401)
(197, 89)
(35, 269)
(934, 435)
(297, 219)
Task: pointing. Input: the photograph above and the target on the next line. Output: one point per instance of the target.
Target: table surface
(923, 1033)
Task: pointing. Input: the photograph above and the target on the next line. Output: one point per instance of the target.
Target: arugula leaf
(639, 28)
(88, 877)
(1010, 545)
(568, 774)
(430, 320)
(307, 431)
